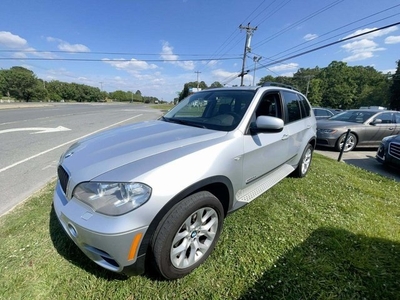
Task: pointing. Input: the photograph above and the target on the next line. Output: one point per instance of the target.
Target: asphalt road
(33, 137)
(362, 158)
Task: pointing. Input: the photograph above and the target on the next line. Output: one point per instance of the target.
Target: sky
(158, 46)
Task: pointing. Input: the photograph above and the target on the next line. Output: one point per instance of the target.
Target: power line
(329, 6)
(321, 47)
(340, 34)
(330, 44)
(95, 53)
(110, 60)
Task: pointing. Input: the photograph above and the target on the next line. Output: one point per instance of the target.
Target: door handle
(285, 137)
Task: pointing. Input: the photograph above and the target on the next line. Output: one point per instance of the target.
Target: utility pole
(198, 72)
(249, 34)
(101, 86)
(308, 83)
(256, 59)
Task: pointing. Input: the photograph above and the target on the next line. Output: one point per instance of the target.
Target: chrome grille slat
(394, 150)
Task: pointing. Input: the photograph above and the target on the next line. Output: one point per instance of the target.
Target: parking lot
(362, 158)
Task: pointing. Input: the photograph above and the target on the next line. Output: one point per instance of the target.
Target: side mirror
(266, 124)
(376, 121)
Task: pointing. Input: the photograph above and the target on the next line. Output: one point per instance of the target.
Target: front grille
(63, 177)
(394, 150)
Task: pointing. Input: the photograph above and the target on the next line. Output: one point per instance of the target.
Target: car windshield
(215, 109)
(354, 116)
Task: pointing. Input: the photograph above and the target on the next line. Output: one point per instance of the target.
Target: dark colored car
(324, 113)
(389, 151)
(367, 128)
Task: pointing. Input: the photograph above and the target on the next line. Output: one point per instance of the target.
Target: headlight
(113, 198)
(327, 131)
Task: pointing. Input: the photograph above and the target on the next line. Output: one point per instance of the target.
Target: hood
(395, 139)
(117, 147)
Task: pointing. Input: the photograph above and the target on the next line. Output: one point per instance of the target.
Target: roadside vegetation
(337, 86)
(334, 234)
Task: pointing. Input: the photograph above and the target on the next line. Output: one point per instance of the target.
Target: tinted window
(397, 117)
(387, 118)
(305, 107)
(292, 104)
(269, 106)
(322, 112)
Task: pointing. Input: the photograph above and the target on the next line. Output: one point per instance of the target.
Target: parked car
(367, 128)
(324, 113)
(155, 194)
(389, 151)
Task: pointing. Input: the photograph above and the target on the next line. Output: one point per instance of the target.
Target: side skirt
(258, 187)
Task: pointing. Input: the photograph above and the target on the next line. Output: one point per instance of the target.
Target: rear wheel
(350, 144)
(187, 235)
(304, 163)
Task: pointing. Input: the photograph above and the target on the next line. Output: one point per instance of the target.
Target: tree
(339, 86)
(2, 83)
(185, 92)
(395, 89)
(20, 83)
(265, 79)
(216, 84)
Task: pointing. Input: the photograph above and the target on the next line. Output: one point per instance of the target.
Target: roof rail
(269, 83)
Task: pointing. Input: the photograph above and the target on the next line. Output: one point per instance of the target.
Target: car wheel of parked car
(187, 235)
(304, 163)
(350, 145)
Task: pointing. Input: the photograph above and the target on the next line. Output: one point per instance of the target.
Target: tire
(350, 145)
(182, 242)
(304, 163)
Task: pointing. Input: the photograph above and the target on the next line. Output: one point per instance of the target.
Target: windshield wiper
(183, 122)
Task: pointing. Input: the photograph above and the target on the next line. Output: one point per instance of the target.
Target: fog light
(72, 230)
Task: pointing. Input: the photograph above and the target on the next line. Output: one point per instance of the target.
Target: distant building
(194, 90)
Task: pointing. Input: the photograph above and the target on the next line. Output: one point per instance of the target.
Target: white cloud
(358, 56)
(310, 36)
(65, 46)
(361, 50)
(362, 46)
(168, 56)
(210, 63)
(132, 66)
(391, 71)
(73, 48)
(392, 39)
(285, 67)
(374, 34)
(9, 40)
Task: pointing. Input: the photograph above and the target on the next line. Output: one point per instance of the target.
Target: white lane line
(62, 145)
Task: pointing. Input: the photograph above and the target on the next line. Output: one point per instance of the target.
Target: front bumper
(110, 241)
(326, 141)
(389, 154)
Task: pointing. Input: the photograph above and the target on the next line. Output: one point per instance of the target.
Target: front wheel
(304, 163)
(187, 235)
(350, 143)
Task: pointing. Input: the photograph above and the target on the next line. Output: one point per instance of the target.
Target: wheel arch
(220, 186)
(344, 135)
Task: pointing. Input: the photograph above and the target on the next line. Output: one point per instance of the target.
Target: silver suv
(153, 195)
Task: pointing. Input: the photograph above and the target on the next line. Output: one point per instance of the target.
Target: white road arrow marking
(37, 129)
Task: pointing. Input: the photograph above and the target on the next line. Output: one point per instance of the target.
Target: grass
(332, 235)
